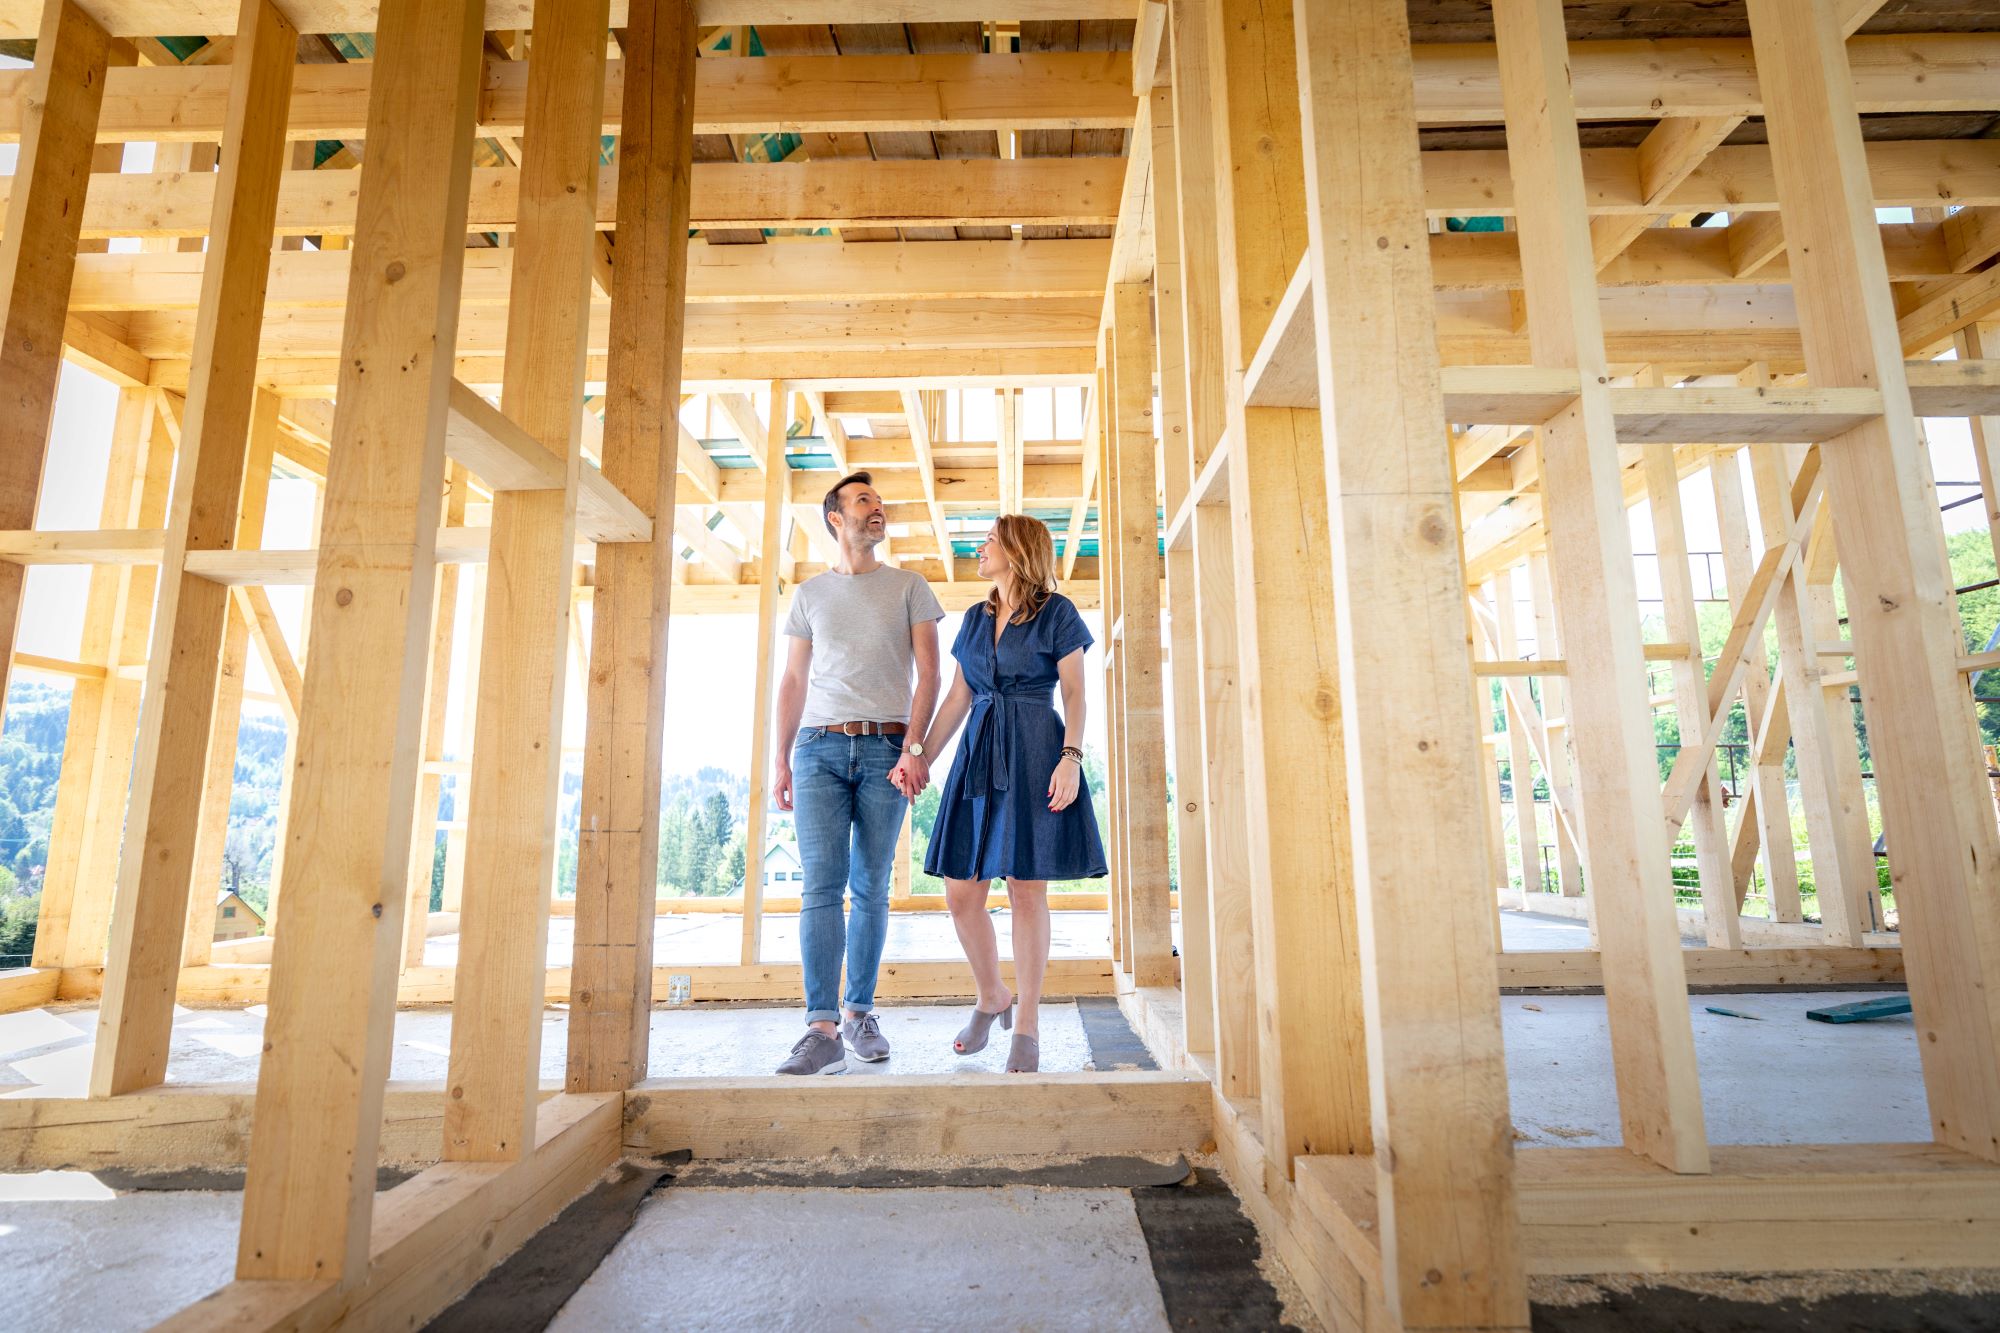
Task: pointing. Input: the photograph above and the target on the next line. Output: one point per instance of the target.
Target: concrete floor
(705, 939)
(891, 1259)
(46, 1052)
(77, 1256)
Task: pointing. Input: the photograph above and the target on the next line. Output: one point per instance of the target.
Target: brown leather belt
(868, 728)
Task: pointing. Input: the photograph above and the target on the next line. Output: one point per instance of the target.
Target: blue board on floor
(1886, 1006)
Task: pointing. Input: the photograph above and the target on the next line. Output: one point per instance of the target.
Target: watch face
(917, 749)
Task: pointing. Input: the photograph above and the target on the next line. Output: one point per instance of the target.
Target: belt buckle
(848, 729)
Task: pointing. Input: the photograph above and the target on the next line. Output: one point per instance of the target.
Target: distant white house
(784, 873)
(234, 918)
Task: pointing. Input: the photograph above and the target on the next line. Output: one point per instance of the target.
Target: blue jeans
(848, 819)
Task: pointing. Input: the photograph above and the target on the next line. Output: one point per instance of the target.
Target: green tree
(737, 865)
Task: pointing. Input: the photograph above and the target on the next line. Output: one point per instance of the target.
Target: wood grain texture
(309, 1198)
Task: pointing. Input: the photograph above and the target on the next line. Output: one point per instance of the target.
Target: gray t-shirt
(859, 626)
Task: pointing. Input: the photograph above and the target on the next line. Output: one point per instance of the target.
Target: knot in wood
(394, 273)
(343, 597)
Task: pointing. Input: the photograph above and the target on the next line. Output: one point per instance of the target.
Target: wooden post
(218, 780)
(468, 718)
(310, 1194)
(1443, 1140)
(1944, 850)
(510, 833)
(437, 698)
(1652, 1038)
(1233, 970)
(1143, 712)
(103, 712)
(777, 490)
(135, 1017)
(618, 847)
(1527, 829)
(1555, 704)
(1720, 917)
(59, 106)
(1310, 1036)
(1190, 804)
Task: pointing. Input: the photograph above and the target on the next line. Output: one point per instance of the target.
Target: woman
(1015, 806)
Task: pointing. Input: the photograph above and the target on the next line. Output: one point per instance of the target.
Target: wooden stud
(1548, 644)
(219, 777)
(1310, 1039)
(135, 1019)
(1591, 553)
(618, 848)
(1711, 834)
(1527, 827)
(437, 703)
(59, 102)
(1930, 775)
(756, 827)
(1142, 713)
(1768, 817)
(309, 1197)
(1234, 976)
(510, 841)
(1191, 810)
(1443, 1140)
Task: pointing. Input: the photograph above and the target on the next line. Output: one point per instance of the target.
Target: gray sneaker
(864, 1035)
(816, 1053)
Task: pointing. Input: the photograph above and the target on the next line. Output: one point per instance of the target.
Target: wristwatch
(916, 748)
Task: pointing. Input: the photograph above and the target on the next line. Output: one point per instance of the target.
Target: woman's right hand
(781, 785)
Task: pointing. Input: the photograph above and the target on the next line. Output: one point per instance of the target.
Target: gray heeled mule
(973, 1036)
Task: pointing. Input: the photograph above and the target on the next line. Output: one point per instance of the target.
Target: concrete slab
(711, 939)
(946, 1259)
(1780, 1078)
(224, 1045)
(109, 1264)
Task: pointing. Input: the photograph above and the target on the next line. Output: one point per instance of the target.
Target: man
(857, 631)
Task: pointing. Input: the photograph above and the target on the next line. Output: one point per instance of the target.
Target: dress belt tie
(989, 768)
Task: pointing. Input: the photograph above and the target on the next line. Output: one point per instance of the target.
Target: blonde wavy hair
(1031, 555)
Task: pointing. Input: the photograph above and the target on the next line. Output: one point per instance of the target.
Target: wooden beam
(756, 829)
(437, 702)
(211, 838)
(58, 106)
(1713, 872)
(163, 826)
(618, 847)
(1143, 717)
(832, 94)
(1232, 968)
(437, 1232)
(1930, 774)
(1190, 805)
(803, 270)
(1311, 1042)
(1455, 84)
(1652, 1039)
(309, 1198)
(918, 420)
(969, 192)
(510, 843)
(1424, 907)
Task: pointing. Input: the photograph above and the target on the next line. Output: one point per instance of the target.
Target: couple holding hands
(859, 720)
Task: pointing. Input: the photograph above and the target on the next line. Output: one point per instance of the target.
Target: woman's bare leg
(967, 900)
(1030, 900)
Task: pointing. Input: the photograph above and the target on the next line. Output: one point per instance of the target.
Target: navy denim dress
(994, 820)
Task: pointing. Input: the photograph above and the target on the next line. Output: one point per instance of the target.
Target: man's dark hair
(832, 501)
